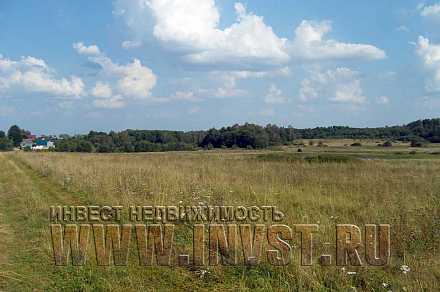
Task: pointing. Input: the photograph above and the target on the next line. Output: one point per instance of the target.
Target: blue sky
(74, 66)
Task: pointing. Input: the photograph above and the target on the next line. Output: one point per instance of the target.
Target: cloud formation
(86, 50)
(431, 11)
(274, 95)
(193, 28)
(310, 43)
(117, 82)
(341, 85)
(430, 54)
(34, 75)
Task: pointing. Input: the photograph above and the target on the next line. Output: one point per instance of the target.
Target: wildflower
(405, 269)
(351, 273)
(202, 273)
(385, 285)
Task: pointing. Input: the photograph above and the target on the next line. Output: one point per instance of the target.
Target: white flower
(202, 273)
(385, 284)
(405, 269)
(351, 273)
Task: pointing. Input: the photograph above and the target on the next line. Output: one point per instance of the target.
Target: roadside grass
(328, 189)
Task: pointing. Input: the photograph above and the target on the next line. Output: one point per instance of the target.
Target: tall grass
(403, 193)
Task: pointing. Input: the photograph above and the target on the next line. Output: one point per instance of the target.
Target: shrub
(331, 158)
(356, 144)
(415, 143)
(5, 144)
(84, 146)
(387, 144)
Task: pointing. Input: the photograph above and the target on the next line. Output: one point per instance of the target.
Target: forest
(247, 136)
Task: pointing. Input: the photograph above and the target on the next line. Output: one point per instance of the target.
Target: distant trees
(84, 146)
(428, 129)
(15, 134)
(247, 136)
(5, 143)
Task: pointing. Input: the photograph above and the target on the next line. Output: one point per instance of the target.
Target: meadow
(328, 185)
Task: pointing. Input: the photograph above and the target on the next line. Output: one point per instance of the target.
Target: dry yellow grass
(403, 193)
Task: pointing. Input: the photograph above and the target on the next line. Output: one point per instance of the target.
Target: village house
(27, 144)
(34, 143)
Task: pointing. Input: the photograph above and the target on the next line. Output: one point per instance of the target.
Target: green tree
(15, 134)
(84, 146)
(5, 143)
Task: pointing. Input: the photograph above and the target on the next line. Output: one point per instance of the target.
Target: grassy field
(399, 186)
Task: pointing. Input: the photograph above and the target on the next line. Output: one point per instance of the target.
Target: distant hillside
(239, 136)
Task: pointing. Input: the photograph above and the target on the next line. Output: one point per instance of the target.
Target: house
(27, 144)
(31, 137)
(43, 143)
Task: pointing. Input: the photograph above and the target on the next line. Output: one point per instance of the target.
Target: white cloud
(132, 80)
(86, 50)
(193, 27)
(432, 11)
(430, 54)
(185, 96)
(341, 85)
(229, 81)
(34, 62)
(110, 103)
(274, 95)
(137, 80)
(309, 43)
(403, 28)
(102, 90)
(33, 75)
(383, 100)
(130, 44)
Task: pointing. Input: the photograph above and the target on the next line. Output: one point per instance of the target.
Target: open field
(399, 186)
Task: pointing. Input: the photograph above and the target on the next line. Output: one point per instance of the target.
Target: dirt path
(25, 250)
(7, 235)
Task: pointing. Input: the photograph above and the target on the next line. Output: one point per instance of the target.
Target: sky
(75, 66)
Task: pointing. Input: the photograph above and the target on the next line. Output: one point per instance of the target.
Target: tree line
(249, 136)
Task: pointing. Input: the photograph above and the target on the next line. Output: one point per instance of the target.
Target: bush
(331, 158)
(387, 144)
(356, 144)
(415, 143)
(5, 144)
(84, 146)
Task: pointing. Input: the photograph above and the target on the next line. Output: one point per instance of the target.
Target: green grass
(324, 186)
